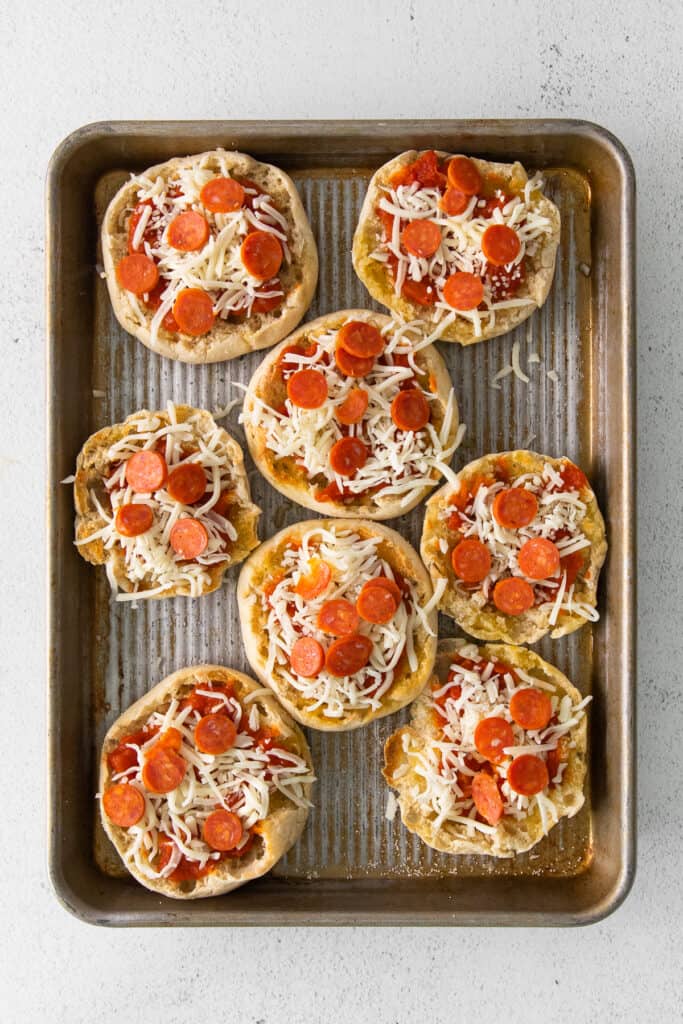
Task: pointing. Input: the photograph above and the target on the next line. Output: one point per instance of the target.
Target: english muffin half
(353, 415)
(338, 619)
(515, 546)
(205, 783)
(465, 244)
(209, 256)
(495, 754)
(163, 501)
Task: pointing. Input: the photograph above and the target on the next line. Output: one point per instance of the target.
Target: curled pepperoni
(471, 560)
(500, 244)
(528, 775)
(350, 365)
(347, 456)
(137, 273)
(515, 507)
(531, 708)
(464, 176)
(123, 804)
(338, 617)
(214, 734)
(188, 232)
(188, 538)
(421, 238)
(539, 558)
(491, 737)
(352, 409)
(146, 472)
(454, 202)
(348, 655)
(261, 255)
(222, 830)
(186, 483)
(307, 389)
(422, 293)
(307, 657)
(222, 195)
(315, 581)
(361, 339)
(376, 603)
(193, 312)
(410, 410)
(487, 798)
(513, 596)
(133, 520)
(164, 771)
(463, 291)
(574, 479)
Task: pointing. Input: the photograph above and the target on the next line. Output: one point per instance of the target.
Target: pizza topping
(352, 409)
(356, 649)
(347, 456)
(307, 389)
(222, 195)
(453, 202)
(463, 291)
(513, 596)
(179, 473)
(471, 560)
(515, 507)
(261, 254)
(421, 237)
(315, 580)
(350, 365)
(410, 409)
(219, 795)
(361, 339)
(188, 231)
(482, 764)
(539, 558)
(464, 176)
(500, 245)
(137, 273)
(193, 311)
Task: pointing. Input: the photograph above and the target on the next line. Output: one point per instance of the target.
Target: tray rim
(300, 129)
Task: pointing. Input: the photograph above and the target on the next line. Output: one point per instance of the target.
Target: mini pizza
(204, 783)
(210, 256)
(515, 547)
(353, 415)
(495, 754)
(162, 500)
(339, 620)
(465, 244)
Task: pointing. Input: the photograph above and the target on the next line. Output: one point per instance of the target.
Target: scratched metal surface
(348, 835)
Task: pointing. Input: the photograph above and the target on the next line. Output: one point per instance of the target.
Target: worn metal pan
(353, 865)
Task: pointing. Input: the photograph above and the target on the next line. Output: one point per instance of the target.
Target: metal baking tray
(352, 865)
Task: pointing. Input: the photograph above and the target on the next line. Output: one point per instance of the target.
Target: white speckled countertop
(65, 65)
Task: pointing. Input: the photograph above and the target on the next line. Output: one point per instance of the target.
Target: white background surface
(68, 64)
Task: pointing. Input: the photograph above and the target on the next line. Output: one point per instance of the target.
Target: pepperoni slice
(171, 738)
(471, 560)
(491, 737)
(222, 830)
(352, 409)
(464, 176)
(500, 244)
(123, 804)
(531, 708)
(376, 603)
(307, 657)
(348, 455)
(214, 734)
(422, 293)
(513, 596)
(528, 775)
(188, 538)
(133, 520)
(193, 312)
(487, 798)
(421, 238)
(222, 195)
(454, 202)
(146, 472)
(187, 483)
(261, 255)
(314, 582)
(137, 273)
(539, 558)
(574, 478)
(463, 290)
(338, 617)
(410, 410)
(390, 585)
(515, 507)
(188, 232)
(348, 655)
(350, 365)
(307, 389)
(164, 771)
(361, 339)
